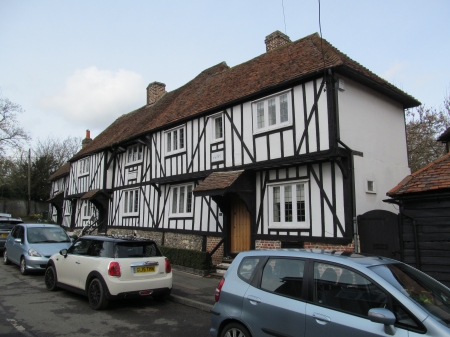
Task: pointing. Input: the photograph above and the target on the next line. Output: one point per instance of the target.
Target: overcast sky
(77, 65)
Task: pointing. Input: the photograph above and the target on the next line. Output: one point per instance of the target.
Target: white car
(106, 268)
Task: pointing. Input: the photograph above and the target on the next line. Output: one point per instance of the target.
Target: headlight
(33, 252)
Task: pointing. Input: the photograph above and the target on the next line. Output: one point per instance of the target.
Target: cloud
(394, 71)
(95, 98)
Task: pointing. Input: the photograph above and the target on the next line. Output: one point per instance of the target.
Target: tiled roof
(218, 181)
(221, 86)
(89, 194)
(62, 171)
(433, 177)
(59, 194)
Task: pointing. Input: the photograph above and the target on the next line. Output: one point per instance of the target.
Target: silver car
(309, 293)
(31, 245)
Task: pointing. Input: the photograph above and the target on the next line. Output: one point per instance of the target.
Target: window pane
(301, 212)
(136, 200)
(135, 153)
(174, 200)
(260, 114)
(130, 203)
(181, 138)
(284, 277)
(125, 208)
(175, 140)
(288, 203)
(283, 108)
(276, 204)
(345, 290)
(218, 131)
(169, 142)
(181, 199)
(189, 199)
(140, 152)
(272, 112)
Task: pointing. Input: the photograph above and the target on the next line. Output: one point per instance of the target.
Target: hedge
(187, 258)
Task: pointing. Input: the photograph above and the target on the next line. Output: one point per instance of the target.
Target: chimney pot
(275, 40)
(87, 140)
(155, 91)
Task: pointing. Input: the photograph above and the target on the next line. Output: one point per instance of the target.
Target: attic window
(272, 112)
(134, 154)
(175, 141)
(370, 188)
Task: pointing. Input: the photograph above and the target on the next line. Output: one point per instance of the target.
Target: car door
(275, 307)
(341, 299)
(68, 267)
(15, 248)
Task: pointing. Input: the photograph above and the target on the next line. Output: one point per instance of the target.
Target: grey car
(7, 222)
(309, 293)
(31, 245)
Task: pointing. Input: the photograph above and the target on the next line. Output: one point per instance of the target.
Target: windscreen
(136, 249)
(46, 235)
(431, 295)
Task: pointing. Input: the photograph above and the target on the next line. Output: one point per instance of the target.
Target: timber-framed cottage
(284, 150)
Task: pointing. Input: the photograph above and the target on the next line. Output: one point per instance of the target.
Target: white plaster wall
(374, 125)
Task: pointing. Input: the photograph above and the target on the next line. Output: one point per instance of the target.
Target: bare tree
(423, 127)
(11, 134)
(60, 150)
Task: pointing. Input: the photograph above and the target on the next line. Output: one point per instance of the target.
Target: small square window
(370, 188)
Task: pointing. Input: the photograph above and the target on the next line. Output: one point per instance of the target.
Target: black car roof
(114, 238)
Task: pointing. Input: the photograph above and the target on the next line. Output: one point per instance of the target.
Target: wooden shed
(424, 206)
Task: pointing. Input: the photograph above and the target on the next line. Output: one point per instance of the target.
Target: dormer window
(134, 153)
(272, 112)
(175, 141)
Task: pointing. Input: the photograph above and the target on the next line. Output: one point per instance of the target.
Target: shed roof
(431, 178)
(220, 86)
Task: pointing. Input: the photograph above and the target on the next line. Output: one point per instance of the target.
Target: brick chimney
(87, 140)
(155, 91)
(275, 40)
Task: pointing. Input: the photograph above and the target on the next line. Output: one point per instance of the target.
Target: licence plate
(146, 269)
(4, 235)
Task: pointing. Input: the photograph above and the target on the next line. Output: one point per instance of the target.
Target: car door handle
(253, 299)
(78, 262)
(321, 319)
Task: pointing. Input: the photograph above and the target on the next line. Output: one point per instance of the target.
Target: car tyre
(51, 280)
(97, 295)
(5, 257)
(235, 330)
(23, 266)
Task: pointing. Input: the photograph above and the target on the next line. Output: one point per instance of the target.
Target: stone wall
(18, 208)
(211, 243)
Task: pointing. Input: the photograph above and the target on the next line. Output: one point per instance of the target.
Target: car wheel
(50, 278)
(97, 295)
(5, 257)
(235, 330)
(23, 266)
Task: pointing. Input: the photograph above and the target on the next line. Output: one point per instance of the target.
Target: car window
(345, 290)
(247, 268)
(283, 276)
(97, 248)
(15, 231)
(46, 235)
(80, 247)
(20, 233)
(136, 249)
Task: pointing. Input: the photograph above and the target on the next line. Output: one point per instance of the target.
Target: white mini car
(106, 268)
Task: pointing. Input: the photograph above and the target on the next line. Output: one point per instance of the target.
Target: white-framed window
(175, 140)
(134, 153)
(57, 185)
(131, 202)
(87, 209)
(217, 127)
(272, 112)
(181, 200)
(288, 205)
(84, 166)
(68, 208)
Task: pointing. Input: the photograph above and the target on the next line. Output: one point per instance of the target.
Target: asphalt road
(27, 308)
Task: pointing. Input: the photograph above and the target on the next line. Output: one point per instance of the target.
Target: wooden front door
(240, 226)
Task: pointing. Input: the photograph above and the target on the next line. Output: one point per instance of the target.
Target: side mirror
(18, 240)
(63, 252)
(383, 316)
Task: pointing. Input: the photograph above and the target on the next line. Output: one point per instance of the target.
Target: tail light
(168, 266)
(114, 269)
(219, 289)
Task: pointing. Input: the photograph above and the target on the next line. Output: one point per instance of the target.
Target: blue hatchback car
(310, 293)
(31, 245)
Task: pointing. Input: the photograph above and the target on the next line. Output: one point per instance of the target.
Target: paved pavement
(193, 290)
